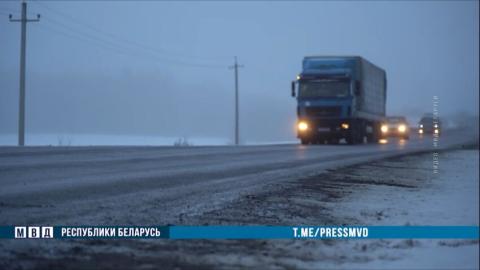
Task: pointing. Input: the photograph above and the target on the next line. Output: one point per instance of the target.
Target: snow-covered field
(108, 139)
(99, 139)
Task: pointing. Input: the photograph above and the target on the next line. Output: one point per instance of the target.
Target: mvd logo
(33, 232)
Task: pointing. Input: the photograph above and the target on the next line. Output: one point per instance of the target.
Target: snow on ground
(447, 198)
(100, 139)
(450, 197)
(398, 191)
(395, 191)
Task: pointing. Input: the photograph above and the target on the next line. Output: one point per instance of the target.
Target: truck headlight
(436, 131)
(402, 128)
(302, 126)
(384, 128)
(420, 131)
(345, 125)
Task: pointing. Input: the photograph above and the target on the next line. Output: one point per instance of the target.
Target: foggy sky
(161, 68)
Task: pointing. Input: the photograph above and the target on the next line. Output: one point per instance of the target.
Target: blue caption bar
(240, 232)
(322, 232)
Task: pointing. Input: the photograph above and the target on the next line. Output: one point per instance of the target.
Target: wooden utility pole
(23, 40)
(237, 128)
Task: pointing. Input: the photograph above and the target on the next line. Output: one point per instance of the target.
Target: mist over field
(161, 68)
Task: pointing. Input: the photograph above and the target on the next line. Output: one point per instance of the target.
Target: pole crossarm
(10, 17)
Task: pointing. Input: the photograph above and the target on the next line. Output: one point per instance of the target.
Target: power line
(136, 44)
(14, 12)
(99, 37)
(55, 29)
(109, 45)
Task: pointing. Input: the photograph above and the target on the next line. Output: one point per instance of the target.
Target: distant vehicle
(339, 97)
(395, 126)
(429, 124)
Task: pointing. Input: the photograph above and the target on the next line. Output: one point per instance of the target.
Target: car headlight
(345, 125)
(302, 126)
(384, 128)
(402, 128)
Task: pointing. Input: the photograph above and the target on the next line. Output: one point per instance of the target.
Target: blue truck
(339, 97)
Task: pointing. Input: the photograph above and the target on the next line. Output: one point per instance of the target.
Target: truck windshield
(324, 88)
(396, 120)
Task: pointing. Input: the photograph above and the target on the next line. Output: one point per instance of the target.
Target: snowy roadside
(397, 191)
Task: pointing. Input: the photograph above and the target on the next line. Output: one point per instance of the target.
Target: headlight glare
(302, 126)
(384, 128)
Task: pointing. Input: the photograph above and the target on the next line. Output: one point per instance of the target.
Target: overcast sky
(161, 68)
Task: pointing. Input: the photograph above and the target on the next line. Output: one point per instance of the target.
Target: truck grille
(323, 111)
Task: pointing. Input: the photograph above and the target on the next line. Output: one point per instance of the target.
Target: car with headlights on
(429, 125)
(395, 126)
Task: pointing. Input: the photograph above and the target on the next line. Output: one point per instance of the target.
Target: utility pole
(235, 67)
(23, 40)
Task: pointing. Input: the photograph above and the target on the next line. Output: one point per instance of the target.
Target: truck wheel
(372, 137)
(356, 135)
(333, 141)
(351, 139)
(321, 140)
(375, 135)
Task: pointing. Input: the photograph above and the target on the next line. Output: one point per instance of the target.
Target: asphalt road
(160, 185)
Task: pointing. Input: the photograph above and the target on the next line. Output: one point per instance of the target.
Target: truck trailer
(339, 97)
